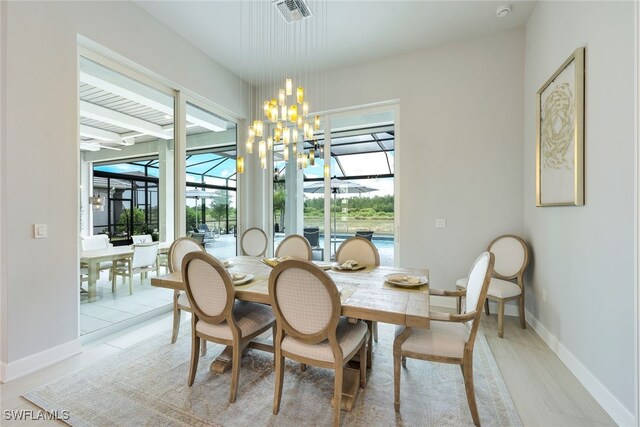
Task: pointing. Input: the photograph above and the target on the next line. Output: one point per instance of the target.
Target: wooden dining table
(93, 258)
(364, 295)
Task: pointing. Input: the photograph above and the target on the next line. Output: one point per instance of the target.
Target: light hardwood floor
(545, 393)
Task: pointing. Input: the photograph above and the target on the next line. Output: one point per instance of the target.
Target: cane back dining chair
(309, 328)
(450, 337)
(507, 283)
(177, 251)
(295, 246)
(362, 250)
(254, 242)
(217, 316)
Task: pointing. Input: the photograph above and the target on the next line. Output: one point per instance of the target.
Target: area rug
(146, 385)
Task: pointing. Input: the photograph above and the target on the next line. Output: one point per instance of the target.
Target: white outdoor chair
(507, 283)
(177, 251)
(450, 337)
(254, 242)
(93, 243)
(145, 259)
(309, 328)
(217, 316)
(142, 238)
(362, 250)
(295, 246)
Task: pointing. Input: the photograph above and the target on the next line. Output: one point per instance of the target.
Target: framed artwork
(560, 136)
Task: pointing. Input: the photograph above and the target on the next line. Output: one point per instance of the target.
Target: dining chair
(365, 252)
(450, 337)
(295, 246)
(141, 238)
(144, 260)
(217, 316)
(177, 251)
(309, 328)
(254, 242)
(97, 242)
(507, 283)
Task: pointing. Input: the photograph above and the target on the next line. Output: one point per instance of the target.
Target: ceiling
(356, 30)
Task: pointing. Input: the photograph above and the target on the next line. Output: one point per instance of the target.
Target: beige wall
(584, 256)
(460, 146)
(40, 156)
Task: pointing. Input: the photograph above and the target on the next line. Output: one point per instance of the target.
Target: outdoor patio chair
(312, 234)
(208, 234)
(451, 337)
(144, 260)
(141, 238)
(366, 234)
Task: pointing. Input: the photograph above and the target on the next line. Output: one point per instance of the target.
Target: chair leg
(396, 379)
(375, 331)
(337, 395)
(523, 324)
(404, 362)
(193, 367)
(363, 364)
(459, 305)
(370, 345)
(130, 279)
(467, 369)
(486, 306)
(279, 378)
(303, 367)
(500, 318)
(235, 371)
(176, 321)
(203, 348)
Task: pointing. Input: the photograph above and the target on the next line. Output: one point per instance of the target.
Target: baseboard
(616, 410)
(26, 365)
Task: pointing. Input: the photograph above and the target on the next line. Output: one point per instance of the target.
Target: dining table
(365, 294)
(93, 259)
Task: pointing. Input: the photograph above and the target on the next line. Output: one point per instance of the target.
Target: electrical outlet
(544, 295)
(441, 223)
(39, 231)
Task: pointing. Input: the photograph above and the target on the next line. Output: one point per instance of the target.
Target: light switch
(441, 223)
(39, 231)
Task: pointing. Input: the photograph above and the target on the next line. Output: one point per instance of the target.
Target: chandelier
(283, 38)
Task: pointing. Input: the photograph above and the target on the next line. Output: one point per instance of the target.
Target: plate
(338, 267)
(244, 280)
(403, 280)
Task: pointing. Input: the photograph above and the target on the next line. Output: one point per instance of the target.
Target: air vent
(293, 10)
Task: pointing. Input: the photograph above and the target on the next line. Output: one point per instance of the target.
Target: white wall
(583, 256)
(42, 156)
(460, 147)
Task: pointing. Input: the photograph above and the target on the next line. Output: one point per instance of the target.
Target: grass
(351, 225)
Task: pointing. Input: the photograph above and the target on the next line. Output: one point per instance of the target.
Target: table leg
(94, 271)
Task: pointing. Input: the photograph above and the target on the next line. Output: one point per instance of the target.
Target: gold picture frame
(560, 136)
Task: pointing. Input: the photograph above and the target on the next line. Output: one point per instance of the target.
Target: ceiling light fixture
(280, 103)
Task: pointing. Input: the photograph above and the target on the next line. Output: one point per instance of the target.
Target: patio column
(165, 189)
